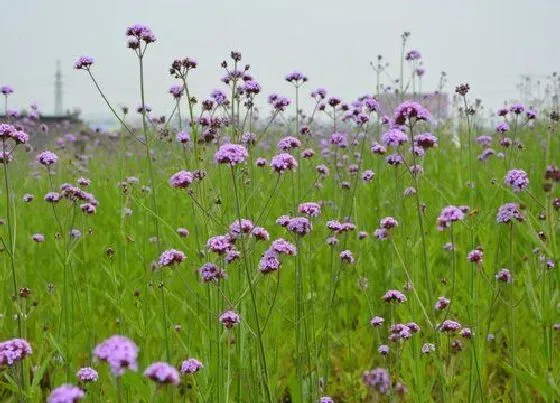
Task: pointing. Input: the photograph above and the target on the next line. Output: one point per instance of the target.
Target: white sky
(488, 43)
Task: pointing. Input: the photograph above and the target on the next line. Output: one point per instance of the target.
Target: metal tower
(58, 90)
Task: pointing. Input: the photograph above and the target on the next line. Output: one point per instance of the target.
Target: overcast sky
(488, 43)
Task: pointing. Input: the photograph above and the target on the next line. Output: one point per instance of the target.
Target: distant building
(438, 103)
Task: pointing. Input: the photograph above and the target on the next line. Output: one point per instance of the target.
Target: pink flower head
(163, 373)
(230, 319)
(310, 209)
(283, 162)
(231, 154)
(171, 257)
(191, 366)
(394, 296)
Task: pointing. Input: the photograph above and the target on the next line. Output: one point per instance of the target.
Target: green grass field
(305, 328)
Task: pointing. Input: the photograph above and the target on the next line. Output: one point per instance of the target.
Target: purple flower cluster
(394, 138)
(83, 63)
(162, 373)
(283, 162)
(517, 179)
(504, 275)
(66, 393)
(137, 33)
(12, 351)
(6, 90)
(211, 273)
(449, 326)
(449, 215)
(394, 296)
(181, 179)
(288, 143)
(86, 375)
(310, 209)
(17, 134)
(279, 103)
(299, 225)
(409, 112)
(119, 352)
(508, 213)
(231, 154)
(229, 319)
(191, 366)
(377, 379)
(170, 258)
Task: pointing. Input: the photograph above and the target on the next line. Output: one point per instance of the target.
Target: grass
(84, 290)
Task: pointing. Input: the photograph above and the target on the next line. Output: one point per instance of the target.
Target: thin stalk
(262, 351)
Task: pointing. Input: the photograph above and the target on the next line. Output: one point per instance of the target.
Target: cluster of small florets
(346, 256)
(475, 256)
(279, 103)
(394, 160)
(504, 275)
(442, 303)
(137, 33)
(394, 296)
(296, 77)
(283, 162)
(319, 94)
(377, 379)
(181, 179)
(450, 326)
(339, 227)
(191, 366)
(260, 234)
(248, 138)
(288, 143)
(404, 331)
(378, 149)
(181, 67)
(377, 321)
(231, 154)
(162, 373)
(299, 225)
(517, 179)
(462, 89)
(74, 194)
(17, 134)
(176, 91)
(241, 226)
(83, 63)
(170, 258)
(229, 319)
(484, 140)
(220, 244)
(66, 393)
(508, 213)
(339, 140)
(86, 375)
(394, 138)
(502, 127)
(413, 55)
(425, 140)
(517, 108)
(409, 112)
(6, 90)
(119, 352)
(12, 351)
(449, 215)
(270, 260)
(385, 226)
(211, 273)
(310, 209)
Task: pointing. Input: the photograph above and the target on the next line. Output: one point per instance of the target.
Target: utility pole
(58, 90)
